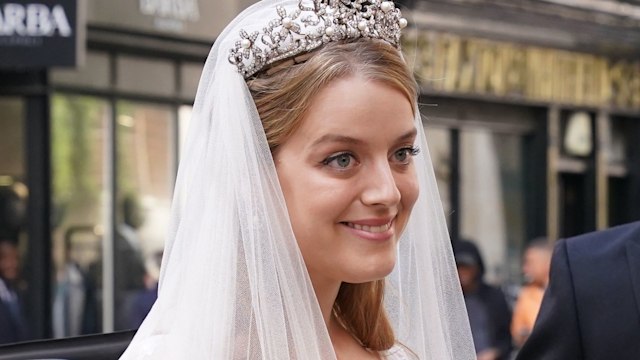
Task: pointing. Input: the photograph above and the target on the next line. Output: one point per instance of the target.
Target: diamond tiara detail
(312, 24)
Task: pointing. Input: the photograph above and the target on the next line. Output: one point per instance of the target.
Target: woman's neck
(326, 292)
(344, 344)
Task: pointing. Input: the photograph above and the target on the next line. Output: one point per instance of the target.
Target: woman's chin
(374, 272)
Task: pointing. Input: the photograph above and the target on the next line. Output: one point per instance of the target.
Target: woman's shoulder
(399, 352)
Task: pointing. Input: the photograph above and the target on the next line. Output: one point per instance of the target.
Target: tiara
(312, 24)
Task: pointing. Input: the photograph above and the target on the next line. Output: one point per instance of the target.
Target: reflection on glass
(439, 142)
(13, 201)
(144, 179)
(491, 196)
(78, 131)
(617, 147)
(12, 137)
(12, 168)
(619, 163)
(574, 218)
(619, 201)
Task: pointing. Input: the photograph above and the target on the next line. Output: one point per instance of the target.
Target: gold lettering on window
(453, 64)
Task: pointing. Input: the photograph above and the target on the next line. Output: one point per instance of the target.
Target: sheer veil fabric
(233, 283)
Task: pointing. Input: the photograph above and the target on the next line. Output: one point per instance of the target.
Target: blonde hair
(282, 99)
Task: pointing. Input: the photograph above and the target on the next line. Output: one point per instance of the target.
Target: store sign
(452, 64)
(194, 19)
(41, 33)
(171, 14)
(176, 9)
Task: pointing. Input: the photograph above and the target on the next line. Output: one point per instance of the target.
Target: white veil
(233, 283)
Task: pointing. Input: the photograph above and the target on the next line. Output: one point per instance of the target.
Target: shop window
(622, 186)
(13, 215)
(79, 136)
(491, 199)
(620, 209)
(576, 173)
(617, 148)
(439, 142)
(575, 208)
(12, 114)
(145, 173)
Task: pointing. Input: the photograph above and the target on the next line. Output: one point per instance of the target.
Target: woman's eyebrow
(409, 135)
(338, 139)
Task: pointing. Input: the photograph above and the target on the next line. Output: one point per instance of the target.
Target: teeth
(371, 229)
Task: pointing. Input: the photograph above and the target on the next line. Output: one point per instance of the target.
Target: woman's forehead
(357, 114)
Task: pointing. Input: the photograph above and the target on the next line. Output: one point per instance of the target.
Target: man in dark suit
(591, 309)
(12, 321)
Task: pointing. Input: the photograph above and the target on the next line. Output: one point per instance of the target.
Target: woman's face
(349, 180)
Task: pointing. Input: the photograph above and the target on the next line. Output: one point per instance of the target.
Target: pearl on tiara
(314, 23)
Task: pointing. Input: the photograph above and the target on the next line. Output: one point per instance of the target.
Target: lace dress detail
(398, 352)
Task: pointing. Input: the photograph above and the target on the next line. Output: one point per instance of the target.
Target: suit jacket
(591, 309)
(500, 315)
(11, 329)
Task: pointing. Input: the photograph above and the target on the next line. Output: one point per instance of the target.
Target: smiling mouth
(368, 228)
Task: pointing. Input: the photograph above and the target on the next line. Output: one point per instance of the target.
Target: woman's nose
(381, 187)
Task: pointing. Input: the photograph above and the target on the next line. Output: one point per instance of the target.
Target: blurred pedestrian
(76, 303)
(489, 314)
(13, 325)
(535, 266)
(145, 298)
(591, 309)
(130, 269)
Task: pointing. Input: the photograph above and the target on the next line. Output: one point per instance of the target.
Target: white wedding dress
(398, 352)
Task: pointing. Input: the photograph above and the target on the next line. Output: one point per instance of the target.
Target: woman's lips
(370, 228)
(377, 230)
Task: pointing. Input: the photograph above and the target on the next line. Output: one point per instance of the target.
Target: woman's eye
(340, 161)
(401, 155)
(404, 155)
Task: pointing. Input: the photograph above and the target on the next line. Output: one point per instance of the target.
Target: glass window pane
(621, 162)
(439, 142)
(78, 141)
(620, 203)
(12, 137)
(13, 202)
(617, 148)
(144, 180)
(492, 203)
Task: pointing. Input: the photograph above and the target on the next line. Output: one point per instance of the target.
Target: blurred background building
(531, 108)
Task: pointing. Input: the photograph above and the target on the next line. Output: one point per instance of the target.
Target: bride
(306, 221)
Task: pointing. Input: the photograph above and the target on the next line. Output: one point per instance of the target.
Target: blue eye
(404, 155)
(339, 161)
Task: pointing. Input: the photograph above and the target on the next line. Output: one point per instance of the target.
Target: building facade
(531, 109)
